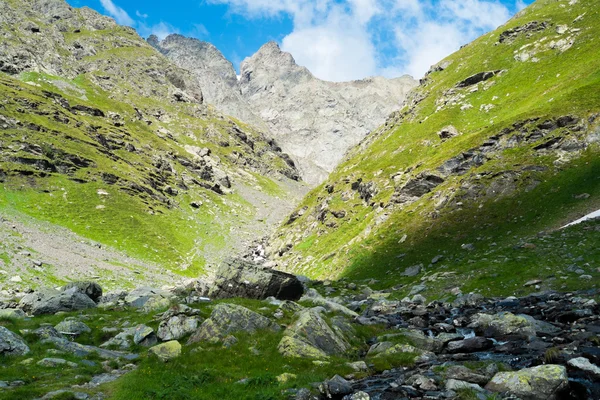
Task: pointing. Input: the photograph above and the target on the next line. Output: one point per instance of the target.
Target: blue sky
(337, 40)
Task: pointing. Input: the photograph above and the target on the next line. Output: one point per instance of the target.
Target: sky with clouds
(337, 40)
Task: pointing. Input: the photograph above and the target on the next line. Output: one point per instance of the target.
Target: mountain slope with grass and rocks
(468, 186)
(104, 136)
(314, 121)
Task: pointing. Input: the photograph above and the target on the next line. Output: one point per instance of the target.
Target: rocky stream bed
(538, 347)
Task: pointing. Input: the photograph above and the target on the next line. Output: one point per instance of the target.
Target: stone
(230, 318)
(538, 383)
(383, 349)
(65, 394)
(11, 313)
(90, 289)
(167, 351)
(360, 396)
(413, 271)
(177, 326)
(470, 345)
(335, 387)
(358, 366)
(82, 350)
(56, 362)
(310, 337)
(584, 364)
(122, 340)
(286, 377)
(140, 296)
(462, 373)
(11, 344)
(144, 336)
(456, 385)
(51, 302)
(503, 324)
(72, 326)
(240, 278)
(448, 132)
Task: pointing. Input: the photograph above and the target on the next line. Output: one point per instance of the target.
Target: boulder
(11, 344)
(12, 313)
(177, 326)
(122, 340)
(544, 382)
(50, 302)
(470, 345)
(503, 324)
(167, 351)
(229, 318)
(464, 374)
(335, 387)
(140, 296)
(56, 362)
(144, 336)
(384, 349)
(448, 132)
(311, 337)
(90, 289)
(585, 365)
(72, 326)
(240, 278)
(82, 350)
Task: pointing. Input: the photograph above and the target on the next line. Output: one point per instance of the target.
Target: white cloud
(200, 31)
(140, 15)
(117, 13)
(161, 30)
(339, 39)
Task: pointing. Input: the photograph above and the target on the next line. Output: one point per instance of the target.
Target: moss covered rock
(539, 383)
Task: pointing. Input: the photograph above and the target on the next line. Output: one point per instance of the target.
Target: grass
(379, 239)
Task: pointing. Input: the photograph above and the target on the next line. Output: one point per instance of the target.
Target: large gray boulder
(240, 278)
(311, 337)
(538, 383)
(504, 324)
(11, 344)
(230, 318)
(90, 289)
(50, 302)
(144, 296)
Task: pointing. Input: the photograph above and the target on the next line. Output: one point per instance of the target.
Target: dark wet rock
(335, 387)
(241, 278)
(470, 345)
(479, 77)
(509, 35)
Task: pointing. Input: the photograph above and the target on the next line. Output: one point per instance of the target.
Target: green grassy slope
(113, 142)
(526, 160)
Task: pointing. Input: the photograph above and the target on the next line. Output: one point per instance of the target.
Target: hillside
(314, 121)
(464, 188)
(104, 136)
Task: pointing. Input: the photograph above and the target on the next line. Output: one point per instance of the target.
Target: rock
(479, 77)
(541, 327)
(471, 345)
(461, 373)
(90, 289)
(123, 340)
(384, 349)
(230, 318)
(11, 313)
(336, 387)
(538, 383)
(311, 337)
(360, 396)
(81, 350)
(144, 336)
(503, 324)
(51, 302)
(140, 296)
(584, 364)
(469, 299)
(167, 351)
(177, 326)
(413, 271)
(286, 377)
(65, 394)
(358, 366)
(56, 362)
(11, 344)
(448, 132)
(456, 385)
(331, 306)
(532, 282)
(240, 278)
(72, 326)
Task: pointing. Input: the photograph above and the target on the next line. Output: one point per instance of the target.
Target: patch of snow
(595, 214)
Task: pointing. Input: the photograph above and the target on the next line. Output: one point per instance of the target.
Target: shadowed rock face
(239, 278)
(314, 121)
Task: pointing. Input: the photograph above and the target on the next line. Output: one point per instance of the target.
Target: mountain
(466, 187)
(104, 136)
(314, 121)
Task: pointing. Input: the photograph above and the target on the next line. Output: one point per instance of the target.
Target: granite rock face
(313, 121)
